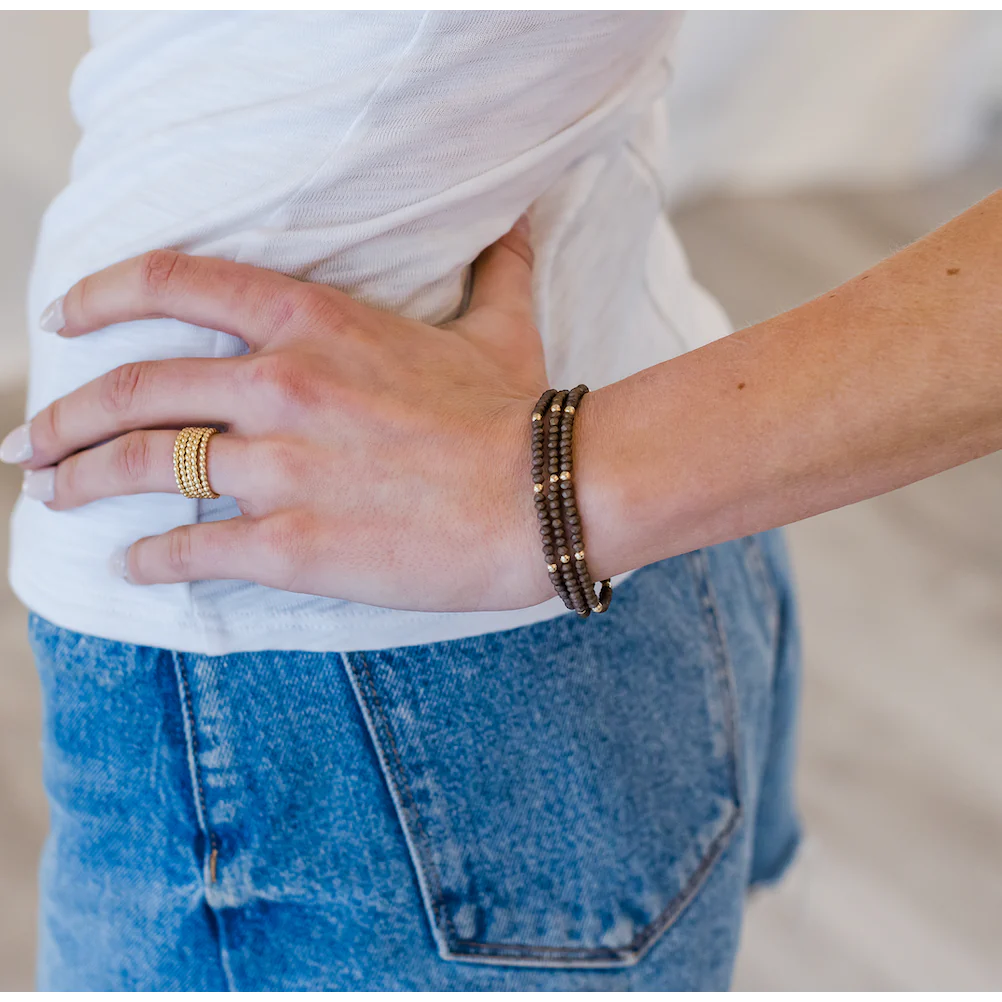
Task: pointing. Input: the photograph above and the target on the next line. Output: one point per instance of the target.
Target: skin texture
(385, 461)
(891, 377)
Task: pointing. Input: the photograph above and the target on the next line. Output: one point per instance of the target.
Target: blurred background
(807, 147)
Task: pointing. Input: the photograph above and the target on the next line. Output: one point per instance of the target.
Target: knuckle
(133, 459)
(283, 538)
(279, 459)
(46, 429)
(309, 309)
(67, 485)
(287, 381)
(518, 245)
(264, 369)
(121, 387)
(80, 300)
(158, 271)
(179, 550)
(298, 309)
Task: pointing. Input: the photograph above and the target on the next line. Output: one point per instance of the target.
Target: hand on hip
(373, 458)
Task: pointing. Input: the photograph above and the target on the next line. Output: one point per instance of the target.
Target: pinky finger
(229, 549)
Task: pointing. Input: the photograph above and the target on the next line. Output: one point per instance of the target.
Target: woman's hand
(374, 458)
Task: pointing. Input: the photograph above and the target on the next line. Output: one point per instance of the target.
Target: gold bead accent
(554, 478)
(555, 407)
(537, 488)
(579, 555)
(536, 416)
(570, 409)
(551, 568)
(565, 475)
(565, 559)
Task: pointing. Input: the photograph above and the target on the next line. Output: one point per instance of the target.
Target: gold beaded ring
(191, 465)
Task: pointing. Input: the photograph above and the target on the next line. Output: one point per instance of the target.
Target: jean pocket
(564, 788)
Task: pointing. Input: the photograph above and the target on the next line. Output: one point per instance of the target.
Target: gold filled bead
(566, 475)
(579, 555)
(569, 409)
(551, 568)
(554, 478)
(565, 559)
(555, 407)
(191, 462)
(537, 488)
(536, 416)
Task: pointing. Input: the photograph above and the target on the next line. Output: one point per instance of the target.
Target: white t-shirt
(374, 152)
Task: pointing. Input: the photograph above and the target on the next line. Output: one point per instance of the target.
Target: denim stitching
(201, 806)
(632, 953)
(196, 774)
(758, 565)
(725, 669)
(398, 778)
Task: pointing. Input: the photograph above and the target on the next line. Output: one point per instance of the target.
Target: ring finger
(139, 462)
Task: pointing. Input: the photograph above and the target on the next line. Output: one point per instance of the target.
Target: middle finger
(163, 393)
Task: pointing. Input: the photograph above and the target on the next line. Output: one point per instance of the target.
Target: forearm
(382, 460)
(890, 378)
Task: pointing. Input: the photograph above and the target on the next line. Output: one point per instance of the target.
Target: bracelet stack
(556, 507)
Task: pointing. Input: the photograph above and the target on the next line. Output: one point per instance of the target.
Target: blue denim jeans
(570, 805)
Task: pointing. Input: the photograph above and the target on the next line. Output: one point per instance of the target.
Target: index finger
(252, 303)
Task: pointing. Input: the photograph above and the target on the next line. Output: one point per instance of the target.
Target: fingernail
(52, 318)
(119, 563)
(40, 485)
(16, 447)
(522, 226)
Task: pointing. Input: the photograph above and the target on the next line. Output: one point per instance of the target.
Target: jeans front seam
(201, 803)
(191, 733)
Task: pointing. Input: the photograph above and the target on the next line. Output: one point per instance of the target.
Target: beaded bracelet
(556, 507)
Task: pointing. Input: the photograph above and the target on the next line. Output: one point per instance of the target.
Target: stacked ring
(191, 464)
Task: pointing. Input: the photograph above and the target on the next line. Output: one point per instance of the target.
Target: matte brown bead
(556, 509)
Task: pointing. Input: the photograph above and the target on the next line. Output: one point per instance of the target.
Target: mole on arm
(953, 271)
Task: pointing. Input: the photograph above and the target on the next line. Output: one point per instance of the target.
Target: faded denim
(568, 805)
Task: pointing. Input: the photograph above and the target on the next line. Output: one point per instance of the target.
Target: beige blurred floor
(901, 883)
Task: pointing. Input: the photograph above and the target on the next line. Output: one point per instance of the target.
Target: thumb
(502, 274)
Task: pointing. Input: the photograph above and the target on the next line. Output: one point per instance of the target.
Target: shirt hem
(299, 632)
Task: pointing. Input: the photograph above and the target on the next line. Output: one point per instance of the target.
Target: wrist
(602, 482)
(520, 579)
(604, 473)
